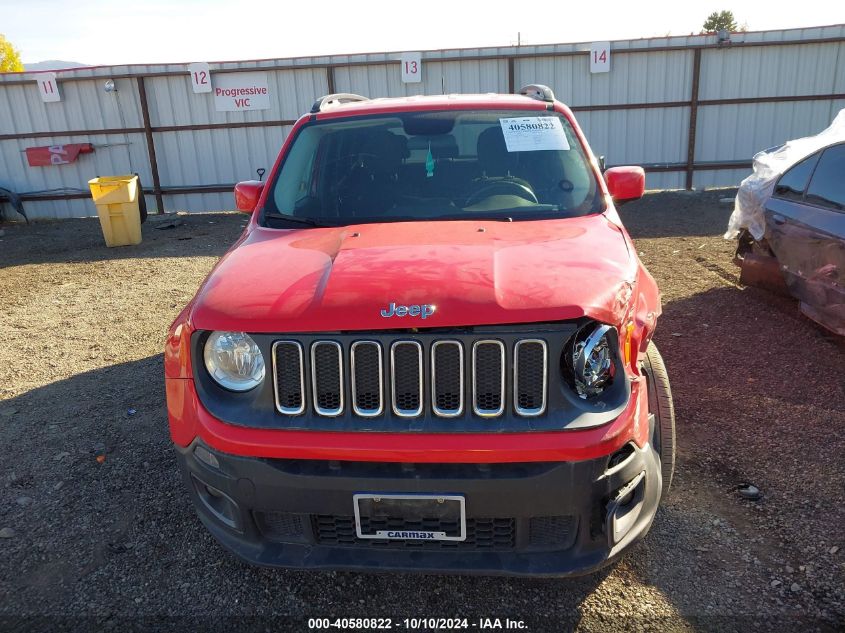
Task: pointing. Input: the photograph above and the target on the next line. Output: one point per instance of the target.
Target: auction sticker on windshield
(534, 133)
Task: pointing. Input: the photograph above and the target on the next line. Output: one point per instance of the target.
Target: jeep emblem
(424, 311)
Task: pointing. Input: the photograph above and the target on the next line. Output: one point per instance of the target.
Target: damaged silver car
(789, 220)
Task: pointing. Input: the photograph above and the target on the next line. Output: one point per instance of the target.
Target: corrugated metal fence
(691, 110)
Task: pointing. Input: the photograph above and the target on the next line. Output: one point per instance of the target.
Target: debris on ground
(749, 491)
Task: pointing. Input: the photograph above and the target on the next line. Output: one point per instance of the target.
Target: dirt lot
(759, 398)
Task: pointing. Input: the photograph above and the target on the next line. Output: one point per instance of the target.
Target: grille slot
(280, 526)
(289, 377)
(530, 374)
(488, 378)
(327, 377)
(367, 379)
(406, 367)
(554, 532)
(447, 378)
(482, 533)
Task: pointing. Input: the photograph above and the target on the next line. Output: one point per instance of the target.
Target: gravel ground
(97, 529)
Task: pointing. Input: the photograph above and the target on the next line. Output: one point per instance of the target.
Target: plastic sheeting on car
(768, 167)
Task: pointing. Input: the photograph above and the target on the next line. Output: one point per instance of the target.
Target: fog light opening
(221, 506)
(626, 500)
(624, 509)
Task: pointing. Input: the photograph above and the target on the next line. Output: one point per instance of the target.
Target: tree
(10, 57)
(719, 20)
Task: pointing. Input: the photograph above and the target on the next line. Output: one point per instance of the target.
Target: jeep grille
(411, 378)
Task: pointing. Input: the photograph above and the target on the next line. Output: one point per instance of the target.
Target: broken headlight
(588, 360)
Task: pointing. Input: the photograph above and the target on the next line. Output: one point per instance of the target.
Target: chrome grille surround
(520, 391)
(478, 392)
(288, 410)
(446, 412)
(317, 389)
(363, 411)
(427, 378)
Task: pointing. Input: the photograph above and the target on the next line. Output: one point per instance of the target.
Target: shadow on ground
(81, 240)
(678, 214)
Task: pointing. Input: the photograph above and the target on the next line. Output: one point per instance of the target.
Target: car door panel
(809, 243)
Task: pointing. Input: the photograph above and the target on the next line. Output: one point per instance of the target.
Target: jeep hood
(473, 272)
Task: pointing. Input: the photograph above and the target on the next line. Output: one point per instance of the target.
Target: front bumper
(532, 519)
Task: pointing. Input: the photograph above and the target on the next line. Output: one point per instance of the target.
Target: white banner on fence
(234, 92)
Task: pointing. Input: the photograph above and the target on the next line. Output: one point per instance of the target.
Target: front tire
(660, 405)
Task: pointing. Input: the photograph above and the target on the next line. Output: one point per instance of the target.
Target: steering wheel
(512, 187)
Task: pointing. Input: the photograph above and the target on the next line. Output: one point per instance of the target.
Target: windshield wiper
(282, 217)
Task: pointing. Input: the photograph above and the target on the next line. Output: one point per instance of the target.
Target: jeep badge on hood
(425, 310)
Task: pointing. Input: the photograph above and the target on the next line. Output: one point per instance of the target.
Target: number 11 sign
(411, 68)
(48, 88)
(600, 57)
(200, 77)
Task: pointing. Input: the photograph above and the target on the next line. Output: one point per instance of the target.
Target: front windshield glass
(428, 165)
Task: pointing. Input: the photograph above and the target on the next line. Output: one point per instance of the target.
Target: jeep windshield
(460, 164)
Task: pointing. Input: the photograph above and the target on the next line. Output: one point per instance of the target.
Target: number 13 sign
(600, 57)
(411, 68)
(200, 77)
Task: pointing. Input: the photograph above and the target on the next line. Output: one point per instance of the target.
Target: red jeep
(429, 350)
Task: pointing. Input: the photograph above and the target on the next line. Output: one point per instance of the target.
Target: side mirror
(247, 194)
(625, 183)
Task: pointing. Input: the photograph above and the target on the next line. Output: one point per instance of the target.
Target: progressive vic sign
(234, 92)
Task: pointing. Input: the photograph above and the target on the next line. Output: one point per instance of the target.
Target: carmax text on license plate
(425, 536)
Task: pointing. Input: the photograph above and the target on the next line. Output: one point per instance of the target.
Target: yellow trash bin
(116, 198)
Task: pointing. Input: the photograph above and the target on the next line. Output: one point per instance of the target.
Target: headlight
(589, 359)
(234, 360)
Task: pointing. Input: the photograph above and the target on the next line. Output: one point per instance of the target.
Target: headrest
(493, 155)
(442, 145)
(383, 151)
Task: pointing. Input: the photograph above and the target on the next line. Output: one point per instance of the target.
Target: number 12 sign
(411, 68)
(600, 57)
(200, 77)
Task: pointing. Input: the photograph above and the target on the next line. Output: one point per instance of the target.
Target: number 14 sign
(600, 57)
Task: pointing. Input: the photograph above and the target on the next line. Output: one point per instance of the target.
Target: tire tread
(663, 408)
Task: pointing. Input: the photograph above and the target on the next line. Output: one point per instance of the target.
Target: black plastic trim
(522, 491)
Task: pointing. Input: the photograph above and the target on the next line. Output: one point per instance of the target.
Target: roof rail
(538, 92)
(335, 99)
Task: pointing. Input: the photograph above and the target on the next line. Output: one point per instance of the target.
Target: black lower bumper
(534, 519)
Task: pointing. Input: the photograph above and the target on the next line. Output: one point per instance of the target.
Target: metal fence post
(330, 79)
(151, 149)
(511, 74)
(693, 116)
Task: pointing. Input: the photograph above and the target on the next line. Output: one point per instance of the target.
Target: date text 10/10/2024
(417, 623)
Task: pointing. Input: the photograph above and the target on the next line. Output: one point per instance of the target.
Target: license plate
(410, 517)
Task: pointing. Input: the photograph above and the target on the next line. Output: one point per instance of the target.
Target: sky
(97, 32)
